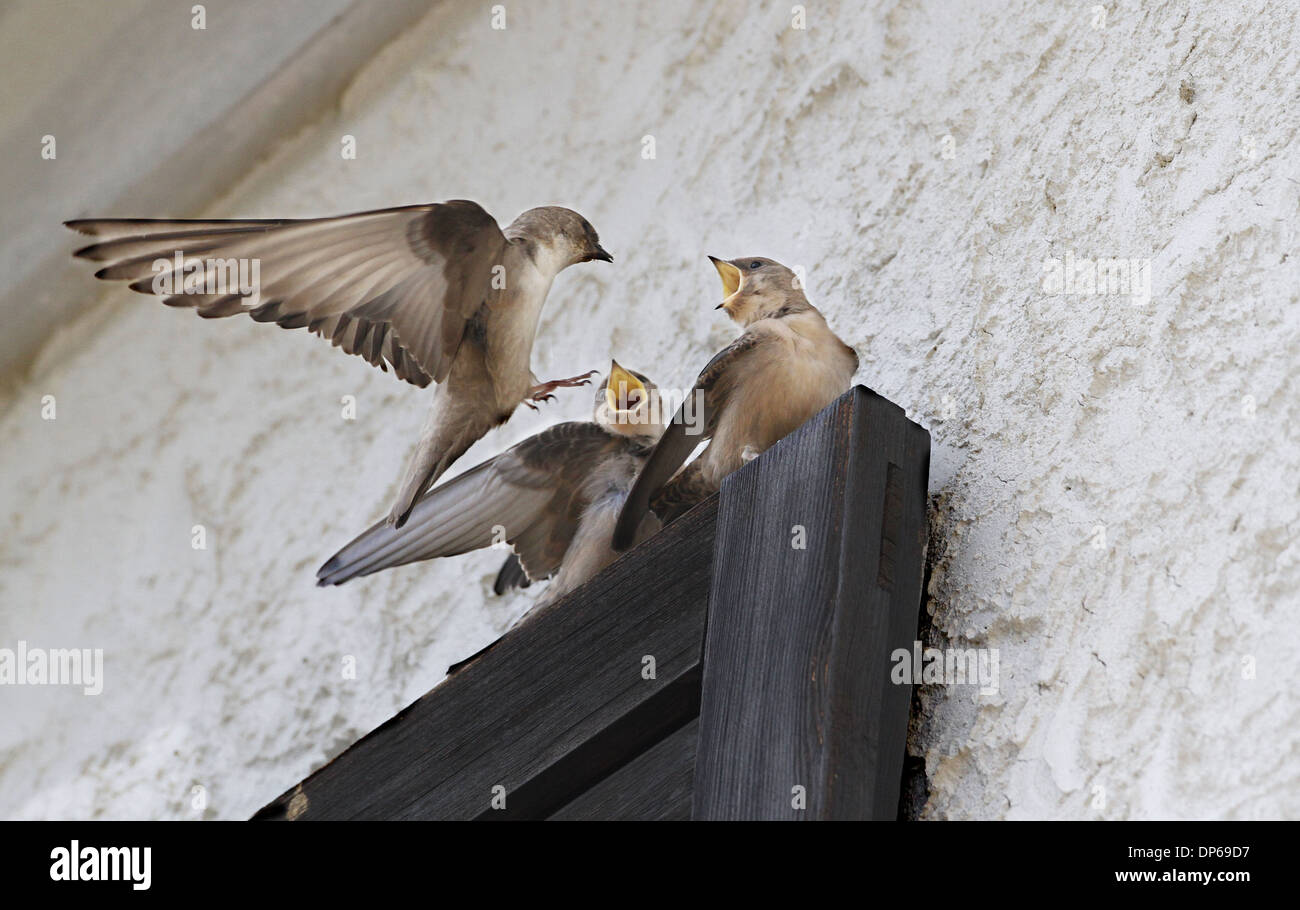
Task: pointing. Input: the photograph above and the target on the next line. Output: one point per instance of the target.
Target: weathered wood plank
(654, 786)
(556, 706)
(796, 688)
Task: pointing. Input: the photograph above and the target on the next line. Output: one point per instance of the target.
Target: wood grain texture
(807, 567)
(796, 687)
(654, 786)
(555, 707)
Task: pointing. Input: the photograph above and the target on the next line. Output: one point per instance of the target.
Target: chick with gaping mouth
(785, 367)
(553, 498)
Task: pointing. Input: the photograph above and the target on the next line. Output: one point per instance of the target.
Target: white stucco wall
(1167, 134)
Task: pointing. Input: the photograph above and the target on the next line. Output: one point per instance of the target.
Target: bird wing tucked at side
(395, 286)
(709, 398)
(529, 496)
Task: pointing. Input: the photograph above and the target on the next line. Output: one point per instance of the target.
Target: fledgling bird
(437, 292)
(785, 367)
(553, 498)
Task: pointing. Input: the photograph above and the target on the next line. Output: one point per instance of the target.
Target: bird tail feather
(512, 575)
(445, 438)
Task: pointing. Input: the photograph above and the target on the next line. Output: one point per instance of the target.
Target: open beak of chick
(623, 391)
(731, 280)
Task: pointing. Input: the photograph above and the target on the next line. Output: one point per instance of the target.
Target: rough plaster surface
(1122, 686)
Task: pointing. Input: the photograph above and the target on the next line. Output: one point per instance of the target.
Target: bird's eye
(755, 264)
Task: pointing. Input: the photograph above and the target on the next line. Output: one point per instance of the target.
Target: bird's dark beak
(601, 254)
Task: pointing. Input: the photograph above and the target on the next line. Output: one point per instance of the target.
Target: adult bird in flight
(437, 292)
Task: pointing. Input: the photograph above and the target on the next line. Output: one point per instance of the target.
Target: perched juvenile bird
(785, 367)
(553, 498)
(438, 292)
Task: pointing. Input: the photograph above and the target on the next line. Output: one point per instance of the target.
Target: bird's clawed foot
(542, 391)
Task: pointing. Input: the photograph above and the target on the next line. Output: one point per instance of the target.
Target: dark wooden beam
(655, 786)
(796, 689)
(808, 569)
(555, 707)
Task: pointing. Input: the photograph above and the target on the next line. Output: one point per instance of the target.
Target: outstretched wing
(709, 397)
(395, 286)
(529, 496)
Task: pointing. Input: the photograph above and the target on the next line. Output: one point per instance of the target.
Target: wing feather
(712, 389)
(533, 491)
(394, 286)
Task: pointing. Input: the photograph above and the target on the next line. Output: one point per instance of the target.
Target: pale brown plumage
(785, 367)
